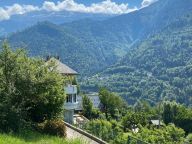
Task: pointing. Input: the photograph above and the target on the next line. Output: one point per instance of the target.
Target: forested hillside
(90, 46)
(159, 68)
(50, 39)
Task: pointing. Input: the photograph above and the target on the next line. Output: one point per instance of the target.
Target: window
(74, 98)
(69, 98)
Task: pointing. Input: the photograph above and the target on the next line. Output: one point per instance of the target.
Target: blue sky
(131, 3)
(9, 8)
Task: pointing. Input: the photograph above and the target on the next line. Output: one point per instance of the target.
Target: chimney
(48, 57)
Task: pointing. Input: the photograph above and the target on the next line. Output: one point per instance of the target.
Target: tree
(111, 103)
(30, 90)
(168, 114)
(145, 107)
(168, 134)
(87, 107)
(133, 119)
(103, 129)
(178, 114)
(188, 139)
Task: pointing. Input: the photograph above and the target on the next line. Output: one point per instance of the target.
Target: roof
(156, 122)
(63, 68)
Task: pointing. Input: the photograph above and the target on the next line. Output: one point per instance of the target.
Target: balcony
(70, 106)
(71, 89)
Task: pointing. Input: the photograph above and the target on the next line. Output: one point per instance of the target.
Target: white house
(71, 102)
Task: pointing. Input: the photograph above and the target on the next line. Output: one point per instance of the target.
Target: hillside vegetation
(32, 99)
(118, 123)
(159, 68)
(36, 138)
(90, 46)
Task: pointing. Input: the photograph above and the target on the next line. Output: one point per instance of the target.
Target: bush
(188, 139)
(106, 130)
(29, 91)
(133, 119)
(54, 127)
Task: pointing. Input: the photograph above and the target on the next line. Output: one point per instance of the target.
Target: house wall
(68, 116)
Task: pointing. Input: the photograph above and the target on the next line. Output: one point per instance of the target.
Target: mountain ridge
(160, 68)
(98, 44)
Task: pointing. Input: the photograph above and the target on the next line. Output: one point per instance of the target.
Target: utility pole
(159, 114)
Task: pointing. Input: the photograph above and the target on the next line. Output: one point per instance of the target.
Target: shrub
(133, 119)
(106, 130)
(29, 91)
(188, 139)
(54, 127)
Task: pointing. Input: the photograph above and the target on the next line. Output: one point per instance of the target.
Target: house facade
(70, 89)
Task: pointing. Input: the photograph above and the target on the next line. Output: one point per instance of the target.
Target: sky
(9, 8)
(132, 3)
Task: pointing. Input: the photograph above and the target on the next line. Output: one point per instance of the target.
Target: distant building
(94, 97)
(71, 102)
(156, 123)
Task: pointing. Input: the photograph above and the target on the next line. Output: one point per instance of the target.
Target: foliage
(180, 115)
(136, 125)
(157, 68)
(111, 103)
(54, 127)
(188, 139)
(87, 107)
(133, 119)
(120, 139)
(103, 129)
(168, 134)
(151, 112)
(29, 91)
(34, 137)
(90, 46)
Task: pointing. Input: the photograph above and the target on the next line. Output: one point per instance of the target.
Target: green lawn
(35, 138)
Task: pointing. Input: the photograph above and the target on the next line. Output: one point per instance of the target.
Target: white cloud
(146, 3)
(20, 9)
(106, 6)
(7, 12)
(3, 14)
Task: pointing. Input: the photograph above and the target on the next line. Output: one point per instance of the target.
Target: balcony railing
(71, 89)
(70, 105)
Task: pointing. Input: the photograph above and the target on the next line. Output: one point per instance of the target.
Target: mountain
(49, 39)
(159, 68)
(21, 22)
(138, 24)
(89, 46)
(85, 54)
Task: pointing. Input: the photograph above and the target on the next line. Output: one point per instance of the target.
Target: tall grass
(31, 137)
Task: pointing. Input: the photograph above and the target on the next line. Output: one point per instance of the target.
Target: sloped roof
(156, 122)
(63, 68)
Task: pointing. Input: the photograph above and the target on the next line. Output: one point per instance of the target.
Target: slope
(90, 46)
(160, 68)
(49, 39)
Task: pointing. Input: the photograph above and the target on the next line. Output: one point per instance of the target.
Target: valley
(98, 71)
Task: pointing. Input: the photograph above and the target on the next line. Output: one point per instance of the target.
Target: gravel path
(74, 134)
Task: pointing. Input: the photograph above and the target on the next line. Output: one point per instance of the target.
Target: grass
(31, 137)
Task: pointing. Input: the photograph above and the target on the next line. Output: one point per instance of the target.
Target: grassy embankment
(35, 138)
